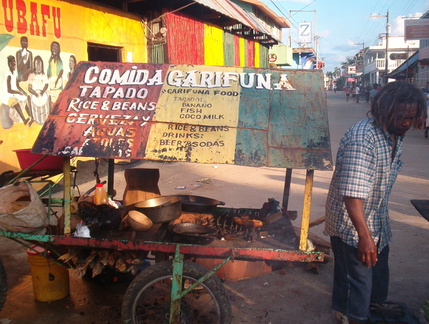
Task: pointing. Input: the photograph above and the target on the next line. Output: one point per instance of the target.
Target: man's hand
(367, 250)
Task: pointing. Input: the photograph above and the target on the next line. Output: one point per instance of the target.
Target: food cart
(197, 114)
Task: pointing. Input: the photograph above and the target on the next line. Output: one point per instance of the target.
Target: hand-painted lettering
(40, 19)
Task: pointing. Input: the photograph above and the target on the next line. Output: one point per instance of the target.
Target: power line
(305, 6)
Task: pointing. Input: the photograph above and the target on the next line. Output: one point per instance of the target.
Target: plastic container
(50, 281)
(50, 162)
(100, 194)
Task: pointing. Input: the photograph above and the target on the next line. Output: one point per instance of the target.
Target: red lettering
(56, 14)
(8, 16)
(32, 18)
(34, 24)
(45, 13)
(21, 11)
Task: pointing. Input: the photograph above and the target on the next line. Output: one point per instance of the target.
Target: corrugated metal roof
(281, 21)
(235, 12)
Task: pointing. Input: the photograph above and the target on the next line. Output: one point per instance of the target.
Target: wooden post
(111, 178)
(305, 222)
(67, 195)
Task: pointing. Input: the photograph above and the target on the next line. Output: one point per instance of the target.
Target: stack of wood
(96, 260)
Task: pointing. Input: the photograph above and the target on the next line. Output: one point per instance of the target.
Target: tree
(341, 81)
(351, 60)
(337, 72)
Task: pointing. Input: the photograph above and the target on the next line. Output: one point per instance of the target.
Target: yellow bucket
(50, 280)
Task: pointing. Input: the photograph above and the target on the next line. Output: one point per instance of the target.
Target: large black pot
(198, 204)
(161, 209)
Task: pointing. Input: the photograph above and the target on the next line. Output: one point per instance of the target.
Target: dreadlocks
(385, 103)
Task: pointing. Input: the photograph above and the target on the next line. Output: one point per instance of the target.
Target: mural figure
(24, 60)
(55, 71)
(13, 97)
(38, 87)
(72, 64)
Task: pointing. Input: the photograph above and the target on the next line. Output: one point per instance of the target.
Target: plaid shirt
(365, 170)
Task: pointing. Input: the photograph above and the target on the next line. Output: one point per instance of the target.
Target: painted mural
(40, 45)
(192, 113)
(29, 89)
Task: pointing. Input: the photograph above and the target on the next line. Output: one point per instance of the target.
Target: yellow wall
(257, 55)
(213, 45)
(73, 25)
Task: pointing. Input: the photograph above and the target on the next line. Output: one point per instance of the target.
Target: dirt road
(293, 295)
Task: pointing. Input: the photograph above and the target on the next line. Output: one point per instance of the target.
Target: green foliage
(341, 81)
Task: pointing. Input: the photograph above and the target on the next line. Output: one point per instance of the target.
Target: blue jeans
(355, 285)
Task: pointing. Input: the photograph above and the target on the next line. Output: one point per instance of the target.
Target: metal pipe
(67, 195)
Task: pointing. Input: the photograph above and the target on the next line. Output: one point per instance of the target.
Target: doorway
(104, 53)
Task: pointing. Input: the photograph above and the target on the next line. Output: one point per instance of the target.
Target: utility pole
(363, 51)
(363, 46)
(386, 67)
(387, 47)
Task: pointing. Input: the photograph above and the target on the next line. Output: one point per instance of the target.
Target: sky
(344, 27)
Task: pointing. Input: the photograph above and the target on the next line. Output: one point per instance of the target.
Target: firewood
(104, 256)
(120, 265)
(317, 221)
(97, 269)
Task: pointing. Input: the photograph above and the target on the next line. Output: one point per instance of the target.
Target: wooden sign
(205, 114)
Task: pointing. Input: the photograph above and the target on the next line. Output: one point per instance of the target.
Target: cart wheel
(3, 285)
(147, 299)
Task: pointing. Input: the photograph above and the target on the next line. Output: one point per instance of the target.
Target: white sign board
(416, 29)
(351, 69)
(304, 30)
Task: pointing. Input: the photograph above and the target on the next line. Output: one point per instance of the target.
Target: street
(291, 295)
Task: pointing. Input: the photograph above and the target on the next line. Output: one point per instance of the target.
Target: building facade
(422, 73)
(378, 61)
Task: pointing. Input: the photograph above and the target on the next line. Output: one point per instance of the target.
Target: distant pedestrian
(373, 92)
(357, 93)
(366, 93)
(347, 90)
(353, 92)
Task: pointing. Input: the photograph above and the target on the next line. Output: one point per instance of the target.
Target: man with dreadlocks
(357, 220)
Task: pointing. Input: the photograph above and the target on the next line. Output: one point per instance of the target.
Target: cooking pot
(193, 233)
(138, 221)
(161, 209)
(198, 204)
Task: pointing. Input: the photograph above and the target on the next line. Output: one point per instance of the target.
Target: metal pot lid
(198, 200)
(158, 202)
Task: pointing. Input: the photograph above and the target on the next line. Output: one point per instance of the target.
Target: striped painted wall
(229, 49)
(237, 51)
(250, 53)
(193, 42)
(185, 39)
(257, 55)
